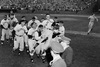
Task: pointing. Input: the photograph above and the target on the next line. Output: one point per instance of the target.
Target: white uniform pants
(26, 40)
(18, 43)
(90, 26)
(31, 44)
(39, 48)
(4, 33)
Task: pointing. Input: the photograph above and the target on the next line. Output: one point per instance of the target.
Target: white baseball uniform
(29, 23)
(19, 37)
(5, 30)
(11, 21)
(91, 23)
(38, 38)
(31, 40)
(43, 45)
(48, 23)
(37, 22)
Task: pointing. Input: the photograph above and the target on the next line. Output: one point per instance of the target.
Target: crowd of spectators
(51, 5)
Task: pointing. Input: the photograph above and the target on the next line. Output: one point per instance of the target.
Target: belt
(19, 35)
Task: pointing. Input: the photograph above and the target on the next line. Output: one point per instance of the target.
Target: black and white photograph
(49, 33)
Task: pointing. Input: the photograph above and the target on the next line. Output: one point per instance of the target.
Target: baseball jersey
(20, 30)
(48, 23)
(13, 21)
(37, 22)
(33, 33)
(46, 33)
(5, 23)
(37, 35)
(31, 30)
(46, 37)
(92, 18)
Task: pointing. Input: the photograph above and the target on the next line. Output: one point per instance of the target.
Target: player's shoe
(32, 59)
(2, 42)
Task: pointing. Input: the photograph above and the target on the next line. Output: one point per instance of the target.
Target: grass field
(86, 48)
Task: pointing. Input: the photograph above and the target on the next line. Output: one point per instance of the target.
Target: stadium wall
(90, 10)
(98, 5)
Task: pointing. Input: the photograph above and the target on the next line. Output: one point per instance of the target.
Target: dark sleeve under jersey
(1, 26)
(8, 25)
(39, 33)
(55, 34)
(45, 40)
(30, 36)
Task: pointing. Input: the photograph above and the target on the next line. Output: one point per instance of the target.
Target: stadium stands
(51, 5)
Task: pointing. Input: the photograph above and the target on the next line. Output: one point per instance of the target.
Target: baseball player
(46, 37)
(13, 21)
(37, 21)
(30, 22)
(23, 18)
(56, 49)
(20, 30)
(38, 37)
(32, 39)
(48, 22)
(10, 14)
(91, 23)
(50, 35)
(5, 31)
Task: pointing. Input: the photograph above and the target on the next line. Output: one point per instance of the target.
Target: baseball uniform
(5, 31)
(31, 40)
(47, 23)
(91, 23)
(19, 37)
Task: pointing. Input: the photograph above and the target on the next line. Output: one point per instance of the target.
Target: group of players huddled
(44, 37)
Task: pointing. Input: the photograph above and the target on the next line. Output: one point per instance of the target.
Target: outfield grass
(86, 50)
(86, 54)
